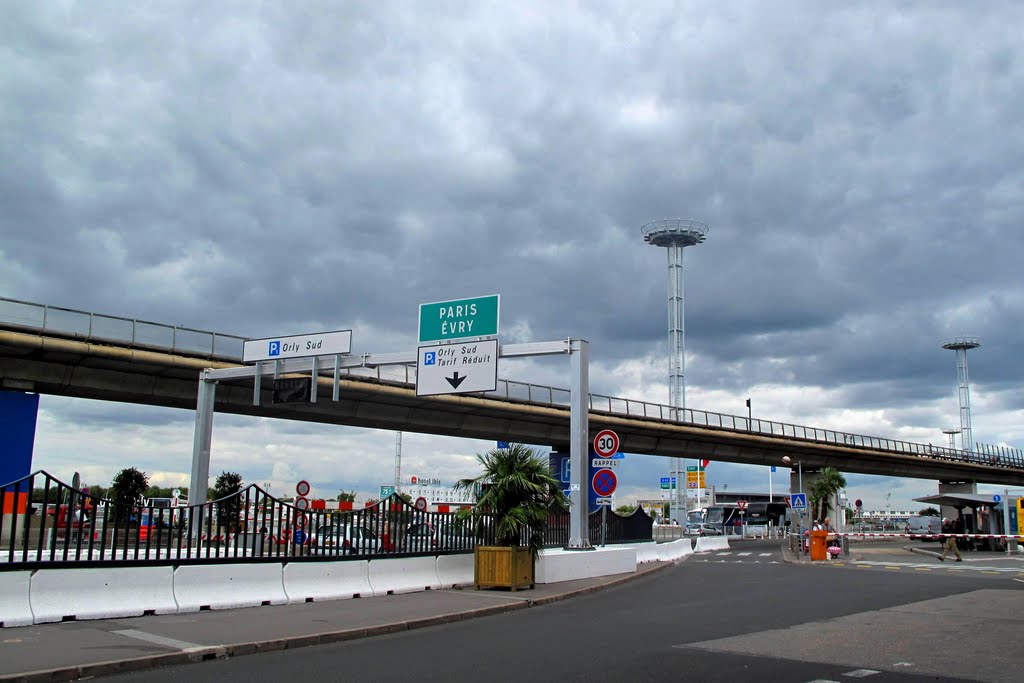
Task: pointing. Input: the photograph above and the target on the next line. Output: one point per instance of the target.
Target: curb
(200, 654)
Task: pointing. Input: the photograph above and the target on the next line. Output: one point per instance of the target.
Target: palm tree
(517, 491)
(823, 490)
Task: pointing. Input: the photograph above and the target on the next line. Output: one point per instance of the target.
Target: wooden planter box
(502, 567)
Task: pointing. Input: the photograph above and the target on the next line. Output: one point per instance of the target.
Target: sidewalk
(78, 649)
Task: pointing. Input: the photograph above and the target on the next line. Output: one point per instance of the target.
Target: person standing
(950, 543)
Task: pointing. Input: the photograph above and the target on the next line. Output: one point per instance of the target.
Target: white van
(925, 525)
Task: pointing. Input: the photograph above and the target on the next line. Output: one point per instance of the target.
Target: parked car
(704, 530)
(337, 540)
(428, 536)
(422, 536)
(928, 526)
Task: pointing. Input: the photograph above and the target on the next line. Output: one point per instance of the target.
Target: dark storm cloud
(285, 168)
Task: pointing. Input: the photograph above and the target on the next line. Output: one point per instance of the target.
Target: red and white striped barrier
(923, 536)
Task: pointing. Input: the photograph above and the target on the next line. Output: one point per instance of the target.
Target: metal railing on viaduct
(753, 440)
(48, 524)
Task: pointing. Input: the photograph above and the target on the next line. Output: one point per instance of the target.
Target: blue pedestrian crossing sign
(798, 501)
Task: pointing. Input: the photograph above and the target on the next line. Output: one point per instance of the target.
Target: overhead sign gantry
(468, 366)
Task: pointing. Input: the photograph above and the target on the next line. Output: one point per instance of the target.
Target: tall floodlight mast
(951, 433)
(960, 345)
(675, 234)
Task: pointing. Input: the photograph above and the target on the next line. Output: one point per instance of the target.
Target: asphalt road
(741, 616)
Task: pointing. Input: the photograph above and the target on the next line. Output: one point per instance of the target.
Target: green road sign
(459, 319)
(386, 491)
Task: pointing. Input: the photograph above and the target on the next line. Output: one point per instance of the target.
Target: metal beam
(579, 446)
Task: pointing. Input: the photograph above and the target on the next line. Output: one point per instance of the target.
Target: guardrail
(69, 322)
(142, 334)
(46, 523)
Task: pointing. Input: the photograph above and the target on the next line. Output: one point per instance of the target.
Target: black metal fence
(45, 522)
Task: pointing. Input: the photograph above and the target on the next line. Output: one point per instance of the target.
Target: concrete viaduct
(79, 366)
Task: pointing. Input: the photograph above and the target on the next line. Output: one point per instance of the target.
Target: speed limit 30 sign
(606, 443)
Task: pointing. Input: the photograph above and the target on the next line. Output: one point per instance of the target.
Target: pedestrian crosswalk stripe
(765, 555)
(741, 554)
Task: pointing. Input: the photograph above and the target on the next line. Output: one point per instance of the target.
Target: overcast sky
(280, 168)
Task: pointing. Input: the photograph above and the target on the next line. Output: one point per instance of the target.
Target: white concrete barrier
(403, 575)
(306, 581)
(454, 570)
(15, 607)
(558, 564)
(709, 543)
(227, 586)
(677, 549)
(645, 552)
(685, 547)
(101, 593)
(665, 551)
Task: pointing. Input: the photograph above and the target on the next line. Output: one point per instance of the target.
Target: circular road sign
(421, 503)
(300, 520)
(606, 443)
(996, 498)
(176, 493)
(300, 537)
(302, 488)
(604, 483)
(741, 504)
(302, 503)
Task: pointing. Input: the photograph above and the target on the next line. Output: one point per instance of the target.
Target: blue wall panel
(18, 412)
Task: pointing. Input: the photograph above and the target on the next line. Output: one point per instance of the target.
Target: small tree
(225, 487)
(517, 492)
(127, 490)
(129, 486)
(346, 497)
(929, 512)
(626, 510)
(823, 490)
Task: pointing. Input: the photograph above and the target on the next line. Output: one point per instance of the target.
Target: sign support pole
(313, 376)
(257, 383)
(337, 378)
(579, 445)
(200, 474)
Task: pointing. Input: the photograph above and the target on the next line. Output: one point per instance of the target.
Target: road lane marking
(765, 555)
(860, 673)
(158, 640)
(720, 554)
(740, 554)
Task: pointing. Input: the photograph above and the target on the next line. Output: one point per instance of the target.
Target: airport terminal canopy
(959, 500)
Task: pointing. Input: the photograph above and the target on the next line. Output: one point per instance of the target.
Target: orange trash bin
(819, 545)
